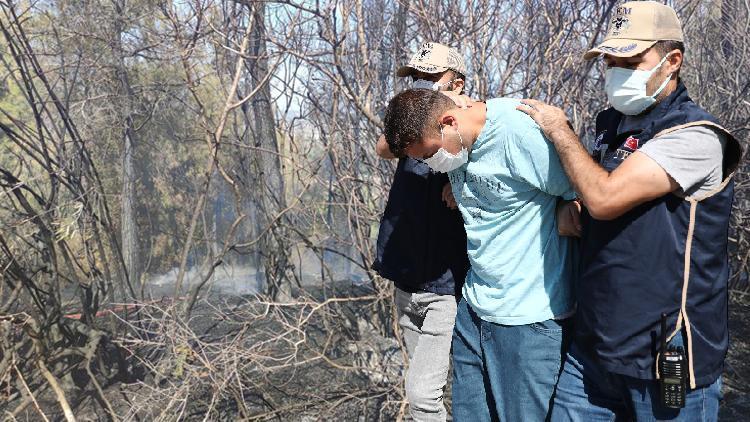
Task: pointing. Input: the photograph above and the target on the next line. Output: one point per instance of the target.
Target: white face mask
(425, 84)
(443, 161)
(626, 88)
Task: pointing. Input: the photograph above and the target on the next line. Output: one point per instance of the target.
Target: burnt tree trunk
(269, 189)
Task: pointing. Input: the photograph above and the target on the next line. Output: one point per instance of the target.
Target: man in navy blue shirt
(422, 248)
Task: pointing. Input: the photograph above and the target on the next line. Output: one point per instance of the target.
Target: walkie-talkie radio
(672, 370)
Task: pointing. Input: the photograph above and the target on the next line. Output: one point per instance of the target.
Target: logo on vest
(628, 147)
(631, 143)
(600, 148)
(598, 142)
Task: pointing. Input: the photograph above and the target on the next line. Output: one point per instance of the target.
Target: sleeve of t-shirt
(691, 156)
(534, 160)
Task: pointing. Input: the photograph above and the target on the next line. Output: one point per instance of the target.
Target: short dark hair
(665, 46)
(409, 116)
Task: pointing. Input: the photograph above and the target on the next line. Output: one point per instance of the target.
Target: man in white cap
(422, 248)
(434, 66)
(651, 328)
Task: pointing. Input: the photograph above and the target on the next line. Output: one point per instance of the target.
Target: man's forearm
(587, 177)
(606, 195)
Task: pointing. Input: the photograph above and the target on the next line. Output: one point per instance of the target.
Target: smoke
(233, 278)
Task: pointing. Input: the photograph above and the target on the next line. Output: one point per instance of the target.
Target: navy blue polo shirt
(421, 242)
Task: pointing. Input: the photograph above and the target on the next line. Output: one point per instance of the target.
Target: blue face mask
(626, 88)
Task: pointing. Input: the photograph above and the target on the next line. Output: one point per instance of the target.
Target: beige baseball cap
(635, 27)
(433, 57)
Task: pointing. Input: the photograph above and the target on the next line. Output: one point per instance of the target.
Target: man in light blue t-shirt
(507, 180)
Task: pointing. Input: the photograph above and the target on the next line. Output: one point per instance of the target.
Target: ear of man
(674, 63)
(458, 86)
(676, 52)
(459, 82)
(448, 119)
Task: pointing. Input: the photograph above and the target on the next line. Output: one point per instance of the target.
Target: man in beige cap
(435, 59)
(422, 248)
(434, 66)
(651, 326)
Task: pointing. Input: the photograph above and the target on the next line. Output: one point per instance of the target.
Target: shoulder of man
(505, 107)
(516, 122)
(692, 156)
(702, 130)
(693, 137)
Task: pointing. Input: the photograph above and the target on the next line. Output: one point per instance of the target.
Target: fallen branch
(58, 391)
(28, 391)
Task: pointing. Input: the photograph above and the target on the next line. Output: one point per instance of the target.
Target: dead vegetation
(141, 137)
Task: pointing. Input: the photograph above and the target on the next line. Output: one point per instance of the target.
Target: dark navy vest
(421, 243)
(633, 268)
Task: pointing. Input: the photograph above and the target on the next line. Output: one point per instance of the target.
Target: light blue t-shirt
(521, 269)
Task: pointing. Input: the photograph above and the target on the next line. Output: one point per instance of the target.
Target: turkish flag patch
(631, 143)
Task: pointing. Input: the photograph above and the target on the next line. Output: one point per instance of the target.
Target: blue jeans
(588, 392)
(504, 372)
